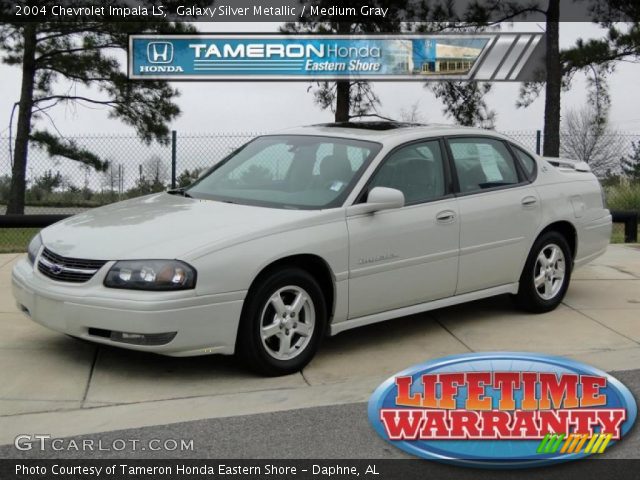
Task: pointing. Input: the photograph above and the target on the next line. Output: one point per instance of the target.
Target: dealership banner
(487, 57)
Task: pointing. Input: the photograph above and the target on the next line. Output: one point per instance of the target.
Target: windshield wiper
(179, 191)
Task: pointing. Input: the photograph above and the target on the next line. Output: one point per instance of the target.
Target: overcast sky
(266, 106)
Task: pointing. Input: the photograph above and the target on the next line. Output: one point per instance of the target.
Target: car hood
(165, 226)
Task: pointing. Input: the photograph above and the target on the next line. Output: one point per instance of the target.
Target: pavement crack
(623, 270)
(93, 367)
(435, 317)
(305, 378)
(604, 279)
(602, 324)
(192, 397)
(11, 259)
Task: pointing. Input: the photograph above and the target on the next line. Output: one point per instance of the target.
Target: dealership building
(443, 58)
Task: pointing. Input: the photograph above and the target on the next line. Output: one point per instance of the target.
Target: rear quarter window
(527, 161)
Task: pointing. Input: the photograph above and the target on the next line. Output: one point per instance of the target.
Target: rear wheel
(282, 323)
(545, 277)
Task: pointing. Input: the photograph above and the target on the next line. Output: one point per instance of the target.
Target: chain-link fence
(56, 185)
(59, 186)
(530, 139)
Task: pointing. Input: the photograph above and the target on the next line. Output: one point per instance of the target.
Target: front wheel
(282, 323)
(545, 277)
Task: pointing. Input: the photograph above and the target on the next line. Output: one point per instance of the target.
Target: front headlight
(34, 248)
(151, 275)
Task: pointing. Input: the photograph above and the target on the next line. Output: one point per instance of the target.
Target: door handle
(446, 216)
(529, 201)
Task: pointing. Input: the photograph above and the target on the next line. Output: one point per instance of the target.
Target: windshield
(288, 171)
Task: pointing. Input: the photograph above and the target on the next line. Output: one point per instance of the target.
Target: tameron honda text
(502, 410)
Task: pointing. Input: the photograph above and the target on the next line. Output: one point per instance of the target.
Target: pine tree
(55, 56)
(348, 98)
(631, 164)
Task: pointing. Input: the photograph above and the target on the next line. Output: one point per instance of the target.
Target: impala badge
(379, 258)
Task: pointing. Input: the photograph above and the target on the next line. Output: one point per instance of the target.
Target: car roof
(386, 131)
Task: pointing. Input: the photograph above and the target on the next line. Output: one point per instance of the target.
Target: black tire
(258, 308)
(530, 297)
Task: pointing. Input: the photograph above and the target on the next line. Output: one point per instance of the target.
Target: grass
(617, 233)
(16, 239)
(623, 197)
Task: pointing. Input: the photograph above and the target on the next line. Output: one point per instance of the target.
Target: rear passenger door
(409, 255)
(499, 212)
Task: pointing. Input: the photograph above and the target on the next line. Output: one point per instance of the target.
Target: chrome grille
(63, 269)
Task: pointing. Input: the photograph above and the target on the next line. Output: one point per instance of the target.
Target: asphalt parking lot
(54, 384)
(338, 431)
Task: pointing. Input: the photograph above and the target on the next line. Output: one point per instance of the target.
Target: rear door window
(482, 163)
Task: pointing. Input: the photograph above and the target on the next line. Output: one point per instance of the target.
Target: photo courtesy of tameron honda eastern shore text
(313, 231)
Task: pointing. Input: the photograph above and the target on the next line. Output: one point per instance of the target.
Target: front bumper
(204, 324)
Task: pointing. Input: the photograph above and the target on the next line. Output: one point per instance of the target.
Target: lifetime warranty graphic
(502, 410)
(497, 57)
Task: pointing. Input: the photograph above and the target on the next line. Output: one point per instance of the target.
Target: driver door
(408, 255)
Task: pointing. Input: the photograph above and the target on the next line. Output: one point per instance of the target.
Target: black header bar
(378, 12)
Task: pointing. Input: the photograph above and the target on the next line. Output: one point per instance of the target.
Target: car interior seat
(471, 177)
(415, 177)
(335, 168)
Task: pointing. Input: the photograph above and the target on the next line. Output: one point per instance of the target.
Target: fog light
(134, 338)
(128, 337)
(142, 338)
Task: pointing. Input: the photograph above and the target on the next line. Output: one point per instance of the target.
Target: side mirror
(379, 198)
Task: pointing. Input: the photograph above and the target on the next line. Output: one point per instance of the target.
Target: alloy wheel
(287, 322)
(549, 272)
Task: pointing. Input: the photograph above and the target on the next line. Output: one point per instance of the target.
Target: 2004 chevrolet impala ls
(313, 231)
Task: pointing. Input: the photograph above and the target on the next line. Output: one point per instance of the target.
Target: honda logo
(159, 52)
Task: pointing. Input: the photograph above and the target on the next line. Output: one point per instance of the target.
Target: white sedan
(314, 231)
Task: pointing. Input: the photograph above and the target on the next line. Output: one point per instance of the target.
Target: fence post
(538, 141)
(173, 158)
(631, 230)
